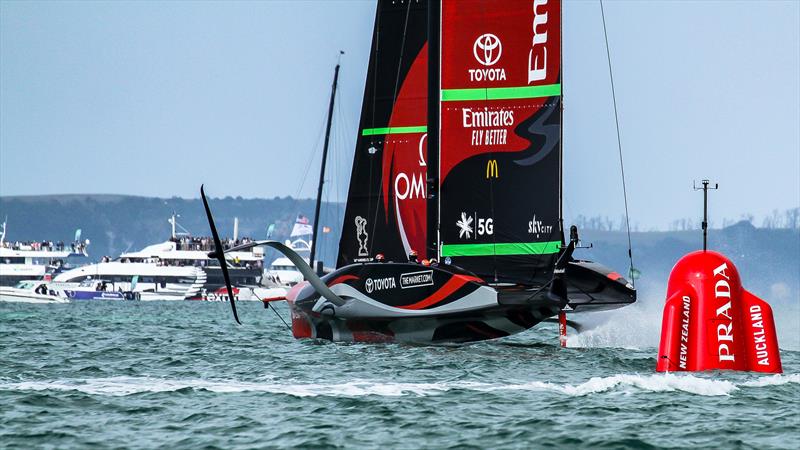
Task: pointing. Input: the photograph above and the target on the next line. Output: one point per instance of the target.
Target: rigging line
(619, 146)
(343, 126)
(310, 160)
(269, 305)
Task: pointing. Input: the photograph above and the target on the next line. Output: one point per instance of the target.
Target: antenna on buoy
(705, 189)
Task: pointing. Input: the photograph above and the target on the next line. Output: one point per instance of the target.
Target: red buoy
(711, 322)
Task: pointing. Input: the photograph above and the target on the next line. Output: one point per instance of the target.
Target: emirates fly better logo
(487, 50)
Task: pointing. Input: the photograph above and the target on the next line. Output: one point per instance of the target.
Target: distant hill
(117, 223)
(769, 259)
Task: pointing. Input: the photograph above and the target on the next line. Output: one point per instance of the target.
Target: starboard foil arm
(301, 264)
(308, 273)
(558, 285)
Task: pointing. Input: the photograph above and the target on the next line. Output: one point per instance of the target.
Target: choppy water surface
(181, 375)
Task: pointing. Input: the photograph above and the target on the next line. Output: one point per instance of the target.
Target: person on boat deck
(412, 256)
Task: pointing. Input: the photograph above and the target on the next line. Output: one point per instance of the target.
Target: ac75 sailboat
(453, 228)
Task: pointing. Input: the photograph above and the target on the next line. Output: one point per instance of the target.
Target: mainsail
(386, 206)
(491, 201)
(500, 161)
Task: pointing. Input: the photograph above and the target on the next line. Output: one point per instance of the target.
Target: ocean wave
(629, 383)
(774, 380)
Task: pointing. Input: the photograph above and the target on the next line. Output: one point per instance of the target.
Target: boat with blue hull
(95, 290)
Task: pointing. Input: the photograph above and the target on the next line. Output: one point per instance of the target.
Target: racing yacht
(453, 229)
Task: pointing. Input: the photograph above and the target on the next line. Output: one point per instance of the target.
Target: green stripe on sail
(505, 248)
(501, 93)
(393, 130)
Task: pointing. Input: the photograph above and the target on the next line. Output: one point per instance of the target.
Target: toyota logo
(369, 285)
(487, 49)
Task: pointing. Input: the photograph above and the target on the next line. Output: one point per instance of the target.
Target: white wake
(627, 383)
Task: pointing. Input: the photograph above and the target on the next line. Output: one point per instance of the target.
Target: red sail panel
(405, 159)
(500, 65)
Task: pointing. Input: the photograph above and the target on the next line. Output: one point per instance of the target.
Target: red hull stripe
(342, 279)
(451, 286)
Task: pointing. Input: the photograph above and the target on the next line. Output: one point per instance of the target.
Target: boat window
(12, 260)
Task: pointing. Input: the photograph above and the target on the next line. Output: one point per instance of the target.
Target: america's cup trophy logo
(361, 236)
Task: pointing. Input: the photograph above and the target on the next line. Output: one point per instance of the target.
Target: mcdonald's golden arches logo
(491, 169)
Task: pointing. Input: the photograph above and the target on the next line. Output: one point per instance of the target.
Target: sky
(154, 98)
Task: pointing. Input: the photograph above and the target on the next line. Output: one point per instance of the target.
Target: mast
(324, 160)
(433, 129)
(561, 131)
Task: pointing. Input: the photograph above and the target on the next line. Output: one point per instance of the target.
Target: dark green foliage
(116, 223)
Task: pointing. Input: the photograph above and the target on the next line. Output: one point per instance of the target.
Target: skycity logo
(537, 227)
(487, 50)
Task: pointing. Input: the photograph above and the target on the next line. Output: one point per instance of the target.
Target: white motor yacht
(29, 260)
(150, 280)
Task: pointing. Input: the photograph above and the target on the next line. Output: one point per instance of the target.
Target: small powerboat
(30, 291)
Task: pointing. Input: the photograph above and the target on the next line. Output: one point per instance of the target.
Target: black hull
(402, 302)
(491, 323)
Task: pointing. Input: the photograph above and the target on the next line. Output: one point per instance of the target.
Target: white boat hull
(13, 295)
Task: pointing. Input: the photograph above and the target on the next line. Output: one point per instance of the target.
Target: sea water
(182, 375)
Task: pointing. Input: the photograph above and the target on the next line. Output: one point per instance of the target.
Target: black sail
(386, 204)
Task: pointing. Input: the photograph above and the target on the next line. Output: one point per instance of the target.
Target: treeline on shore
(768, 256)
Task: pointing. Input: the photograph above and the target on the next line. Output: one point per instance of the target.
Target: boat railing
(205, 244)
(47, 246)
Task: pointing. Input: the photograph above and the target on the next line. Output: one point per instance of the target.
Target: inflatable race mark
(712, 323)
